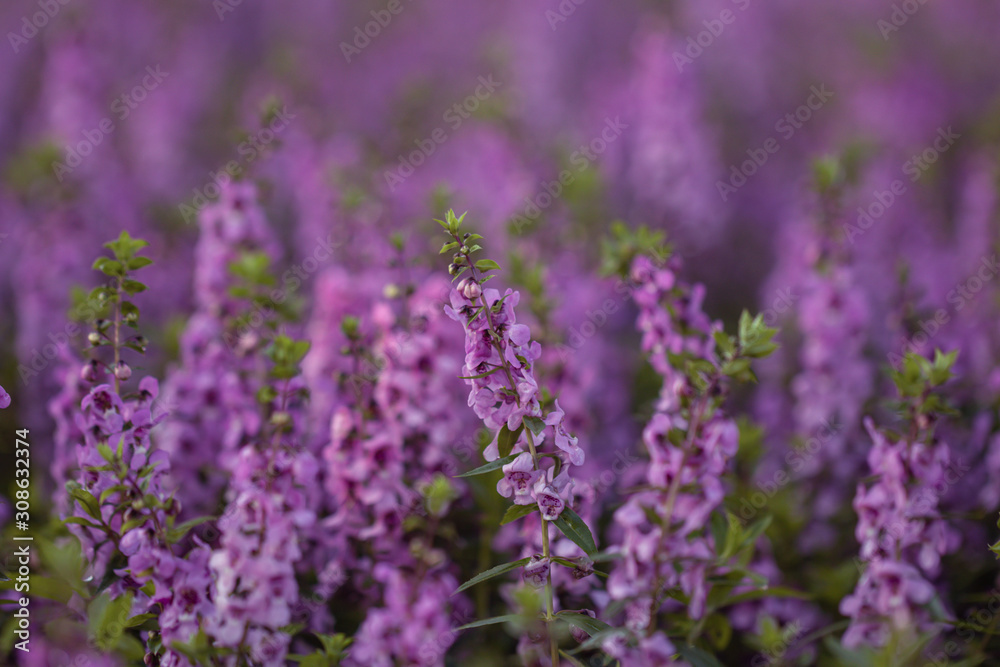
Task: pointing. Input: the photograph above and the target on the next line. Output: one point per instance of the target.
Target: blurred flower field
(559, 333)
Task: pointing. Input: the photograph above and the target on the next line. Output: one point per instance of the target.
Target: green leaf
(755, 530)
(591, 626)
(177, 533)
(108, 267)
(105, 452)
(507, 618)
(573, 527)
(439, 494)
(507, 439)
(87, 501)
(487, 265)
(493, 572)
(125, 247)
(724, 342)
(481, 375)
(761, 593)
(573, 661)
(138, 620)
(137, 263)
(80, 521)
(718, 630)
(448, 247)
(534, 424)
(107, 619)
(515, 512)
(133, 286)
(111, 490)
(490, 467)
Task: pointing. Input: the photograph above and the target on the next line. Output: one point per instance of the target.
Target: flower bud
(94, 338)
(453, 269)
(472, 290)
(89, 372)
(584, 568)
(122, 371)
(579, 634)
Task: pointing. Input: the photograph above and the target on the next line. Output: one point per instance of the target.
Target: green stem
(117, 339)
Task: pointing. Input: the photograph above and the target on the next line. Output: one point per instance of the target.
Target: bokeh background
(359, 122)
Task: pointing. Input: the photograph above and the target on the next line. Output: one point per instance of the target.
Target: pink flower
(536, 571)
(565, 441)
(549, 493)
(518, 477)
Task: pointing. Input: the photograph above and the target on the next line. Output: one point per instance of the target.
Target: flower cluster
(665, 542)
(391, 440)
(123, 513)
(211, 392)
(272, 506)
(900, 528)
(499, 358)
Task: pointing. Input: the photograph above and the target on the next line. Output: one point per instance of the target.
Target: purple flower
(565, 441)
(550, 493)
(536, 572)
(4, 399)
(518, 477)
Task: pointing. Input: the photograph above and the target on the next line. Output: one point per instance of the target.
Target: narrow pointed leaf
(493, 572)
(573, 527)
(515, 512)
(508, 618)
(489, 467)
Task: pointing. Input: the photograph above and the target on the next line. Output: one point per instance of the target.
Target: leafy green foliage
(625, 244)
(286, 353)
